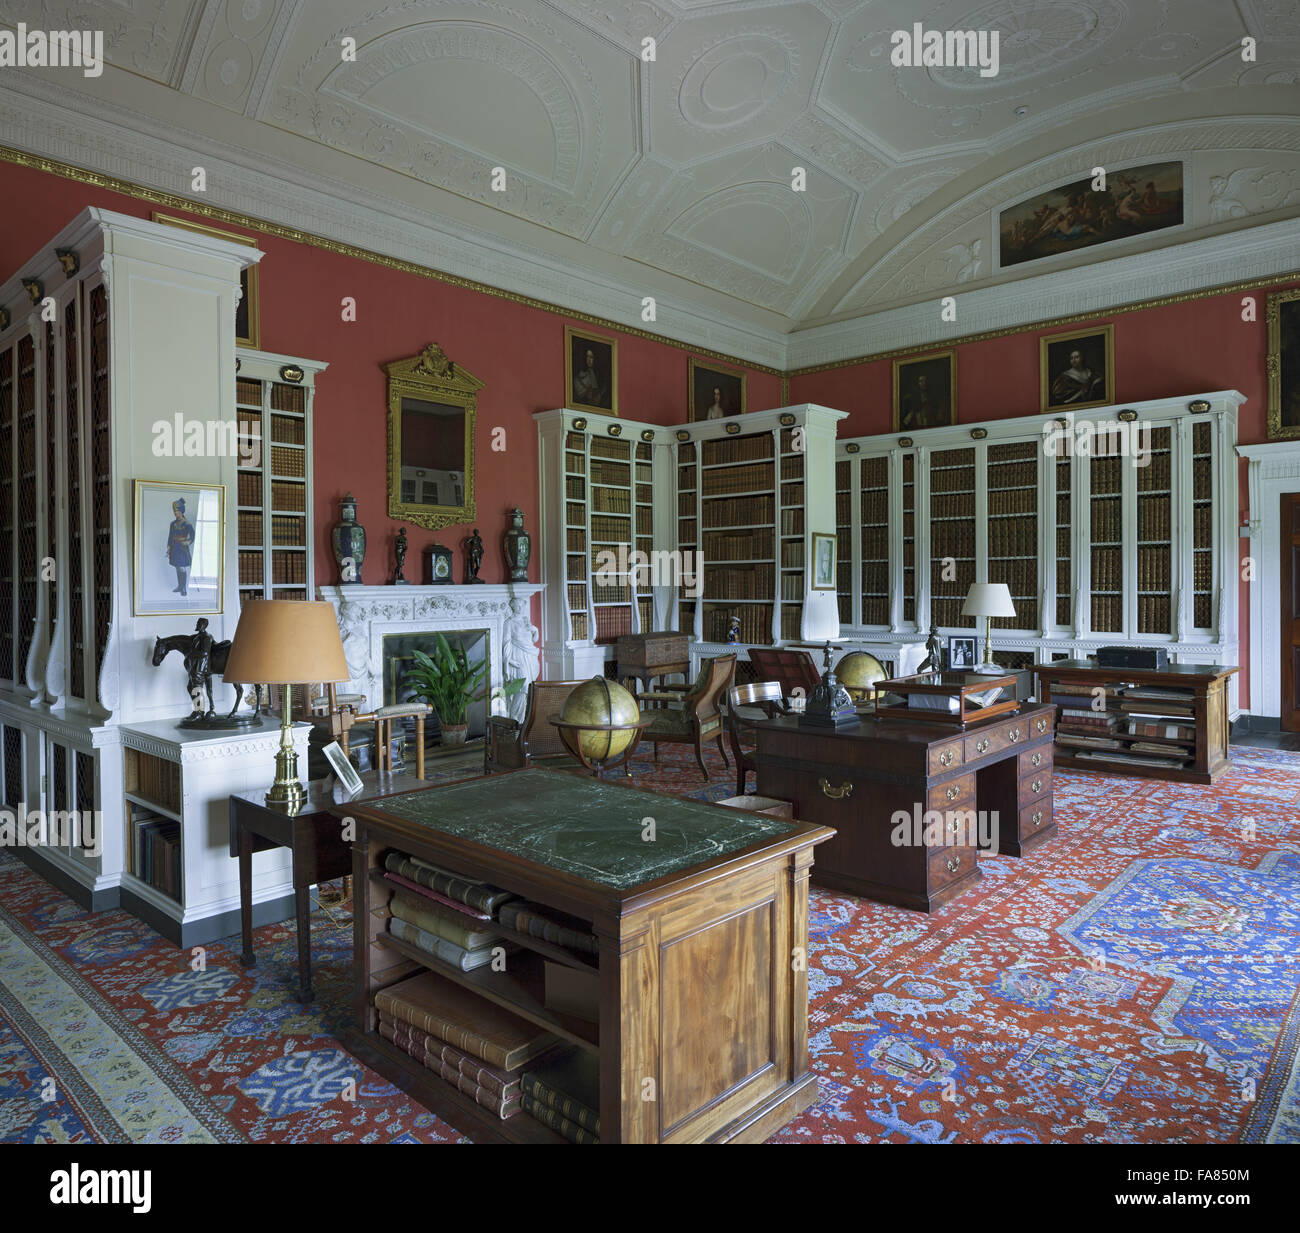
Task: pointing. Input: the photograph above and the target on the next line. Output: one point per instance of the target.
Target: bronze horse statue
(202, 669)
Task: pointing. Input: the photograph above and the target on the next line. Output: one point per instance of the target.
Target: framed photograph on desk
(342, 768)
(961, 652)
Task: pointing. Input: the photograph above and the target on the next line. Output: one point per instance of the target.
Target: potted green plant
(448, 682)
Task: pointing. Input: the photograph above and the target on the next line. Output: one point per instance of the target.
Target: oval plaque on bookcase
(905, 441)
(579, 425)
(291, 373)
(614, 430)
(683, 435)
(733, 428)
(1128, 415)
(852, 448)
(647, 434)
(787, 419)
(1198, 405)
(979, 433)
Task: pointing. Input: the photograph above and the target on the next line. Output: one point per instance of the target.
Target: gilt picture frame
(1282, 365)
(590, 371)
(1077, 369)
(716, 391)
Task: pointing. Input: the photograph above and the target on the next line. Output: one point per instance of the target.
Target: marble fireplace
(500, 613)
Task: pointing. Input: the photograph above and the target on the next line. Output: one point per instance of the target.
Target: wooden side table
(314, 836)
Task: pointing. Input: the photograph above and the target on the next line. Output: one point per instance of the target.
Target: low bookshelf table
(703, 1002)
(1190, 697)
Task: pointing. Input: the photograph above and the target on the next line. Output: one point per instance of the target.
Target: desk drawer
(995, 737)
(944, 757)
(1035, 817)
(947, 864)
(1034, 760)
(1033, 786)
(957, 793)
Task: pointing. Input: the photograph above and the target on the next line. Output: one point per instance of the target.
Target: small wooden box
(646, 656)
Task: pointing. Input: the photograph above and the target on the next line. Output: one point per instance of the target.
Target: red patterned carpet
(1134, 981)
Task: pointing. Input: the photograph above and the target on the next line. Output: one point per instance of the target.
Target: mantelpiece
(367, 613)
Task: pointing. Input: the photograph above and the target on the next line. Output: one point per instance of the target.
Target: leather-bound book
(465, 1020)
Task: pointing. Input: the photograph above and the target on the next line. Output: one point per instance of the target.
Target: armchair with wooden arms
(699, 717)
(765, 695)
(510, 745)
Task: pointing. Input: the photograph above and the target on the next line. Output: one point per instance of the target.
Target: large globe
(858, 671)
(599, 701)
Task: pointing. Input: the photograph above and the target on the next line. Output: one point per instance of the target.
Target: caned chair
(511, 745)
(694, 717)
(767, 697)
(795, 671)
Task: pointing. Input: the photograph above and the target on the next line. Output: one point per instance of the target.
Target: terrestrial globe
(601, 706)
(858, 671)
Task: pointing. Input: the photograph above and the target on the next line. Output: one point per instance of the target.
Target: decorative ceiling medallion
(580, 424)
(979, 433)
(614, 430)
(787, 419)
(1128, 415)
(852, 448)
(735, 80)
(733, 428)
(1197, 405)
(69, 260)
(291, 373)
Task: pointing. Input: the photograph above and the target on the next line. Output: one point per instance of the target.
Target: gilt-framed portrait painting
(590, 371)
(716, 390)
(1283, 364)
(179, 547)
(1077, 370)
(925, 391)
(248, 321)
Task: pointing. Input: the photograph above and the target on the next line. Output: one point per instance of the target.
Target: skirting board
(82, 895)
(210, 928)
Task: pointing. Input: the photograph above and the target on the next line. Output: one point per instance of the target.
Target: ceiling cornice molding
(115, 149)
(1237, 260)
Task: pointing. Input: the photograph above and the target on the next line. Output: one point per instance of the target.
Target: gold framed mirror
(431, 410)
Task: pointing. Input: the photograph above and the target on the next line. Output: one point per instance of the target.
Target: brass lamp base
(287, 795)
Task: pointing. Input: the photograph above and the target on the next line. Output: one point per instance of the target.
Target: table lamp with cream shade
(988, 599)
(287, 642)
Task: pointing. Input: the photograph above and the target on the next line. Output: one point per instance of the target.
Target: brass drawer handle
(953, 863)
(982, 746)
(953, 826)
(1041, 725)
(1036, 817)
(1014, 734)
(1036, 787)
(844, 791)
(953, 793)
(1037, 759)
(945, 758)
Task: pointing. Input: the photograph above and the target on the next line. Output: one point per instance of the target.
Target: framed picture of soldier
(1077, 370)
(925, 391)
(1283, 364)
(179, 546)
(590, 371)
(716, 391)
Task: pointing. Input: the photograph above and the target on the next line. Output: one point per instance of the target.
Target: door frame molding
(1274, 469)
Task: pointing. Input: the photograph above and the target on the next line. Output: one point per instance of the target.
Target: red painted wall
(1187, 348)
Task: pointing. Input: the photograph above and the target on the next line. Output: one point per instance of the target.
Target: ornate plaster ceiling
(673, 177)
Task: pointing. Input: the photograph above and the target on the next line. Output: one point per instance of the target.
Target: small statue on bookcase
(399, 551)
(473, 557)
(933, 661)
(205, 658)
(733, 629)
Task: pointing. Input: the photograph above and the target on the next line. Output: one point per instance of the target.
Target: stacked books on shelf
(1139, 725)
(563, 1092)
(155, 849)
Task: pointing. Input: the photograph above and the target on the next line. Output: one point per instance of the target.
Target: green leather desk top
(584, 827)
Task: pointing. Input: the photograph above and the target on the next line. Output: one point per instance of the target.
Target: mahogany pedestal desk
(314, 836)
(856, 779)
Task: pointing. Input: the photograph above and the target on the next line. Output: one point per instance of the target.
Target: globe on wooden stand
(600, 725)
(858, 671)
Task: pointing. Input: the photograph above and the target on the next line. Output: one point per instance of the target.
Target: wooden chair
(795, 671)
(343, 711)
(763, 694)
(511, 745)
(699, 717)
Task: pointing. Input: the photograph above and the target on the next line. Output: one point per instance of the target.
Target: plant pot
(454, 734)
